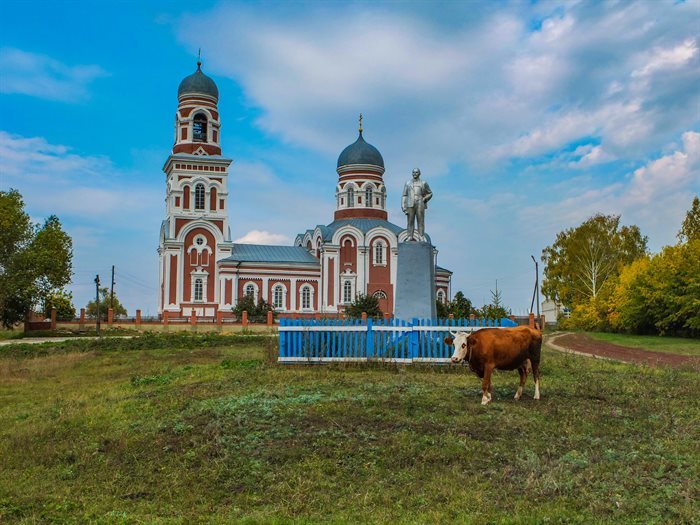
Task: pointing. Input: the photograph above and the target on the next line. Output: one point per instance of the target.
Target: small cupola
(360, 192)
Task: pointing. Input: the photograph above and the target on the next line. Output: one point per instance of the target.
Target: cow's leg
(486, 386)
(523, 377)
(536, 376)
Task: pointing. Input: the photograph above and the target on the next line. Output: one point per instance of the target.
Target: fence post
(414, 338)
(369, 341)
(532, 320)
(219, 317)
(244, 318)
(193, 317)
(364, 317)
(541, 322)
(82, 316)
(138, 317)
(110, 316)
(53, 318)
(165, 318)
(269, 318)
(451, 316)
(283, 338)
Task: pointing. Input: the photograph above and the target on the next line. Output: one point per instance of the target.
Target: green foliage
(582, 259)
(491, 311)
(690, 229)
(118, 308)
(460, 307)
(441, 309)
(62, 301)
(363, 303)
(34, 261)
(257, 313)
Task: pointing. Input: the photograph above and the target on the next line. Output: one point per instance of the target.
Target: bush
(257, 313)
(363, 303)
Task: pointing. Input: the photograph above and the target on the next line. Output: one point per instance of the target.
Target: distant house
(552, 310)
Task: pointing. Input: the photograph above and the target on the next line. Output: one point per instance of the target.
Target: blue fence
(421, 340)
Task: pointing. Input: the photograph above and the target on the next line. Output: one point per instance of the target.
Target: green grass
(180, 429)
(657, 343)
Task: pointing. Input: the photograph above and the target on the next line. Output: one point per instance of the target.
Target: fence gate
(392, 340)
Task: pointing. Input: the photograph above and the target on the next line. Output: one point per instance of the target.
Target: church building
(201, 269)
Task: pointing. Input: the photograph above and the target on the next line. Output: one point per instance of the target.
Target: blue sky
(524, 117)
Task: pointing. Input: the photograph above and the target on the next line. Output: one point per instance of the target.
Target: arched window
(250, 290)
(198, 290)
(379, 252)
(306, 297)
(368, 196)
(351, 196)
(347, 292)
(278, 296)
(379, 294)
(199, 128)
(441, 296)
(199, 197)
(383, 197)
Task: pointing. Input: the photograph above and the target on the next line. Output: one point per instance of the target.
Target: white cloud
(590, 155)
(668, 58)
(41, 76)
(263, 237)
(55, 180)
(654, 196)
(439, 93)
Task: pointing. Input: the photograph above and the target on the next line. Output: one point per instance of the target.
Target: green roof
(264, 253)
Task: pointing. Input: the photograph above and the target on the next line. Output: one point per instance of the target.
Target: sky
(525, 118)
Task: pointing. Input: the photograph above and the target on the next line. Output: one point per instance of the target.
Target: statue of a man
(414, 201)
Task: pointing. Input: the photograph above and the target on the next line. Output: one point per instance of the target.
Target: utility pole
(111, 293)
(97, 301)
(536, 292)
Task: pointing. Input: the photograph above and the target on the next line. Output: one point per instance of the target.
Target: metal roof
(198, 82)
(360, 152)
(271, 254)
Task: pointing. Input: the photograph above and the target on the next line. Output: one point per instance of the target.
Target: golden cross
(199, 57)
(360, 122)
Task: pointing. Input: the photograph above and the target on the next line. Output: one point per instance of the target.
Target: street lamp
(536, 291)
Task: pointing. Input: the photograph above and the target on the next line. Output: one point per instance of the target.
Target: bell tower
(195, 233)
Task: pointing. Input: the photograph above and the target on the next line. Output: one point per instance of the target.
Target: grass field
(179, 429)
(671, 345)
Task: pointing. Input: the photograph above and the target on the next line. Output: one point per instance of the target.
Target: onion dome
(198, 83)
(360, 152)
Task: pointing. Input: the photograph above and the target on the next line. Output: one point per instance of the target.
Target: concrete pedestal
(415, 282)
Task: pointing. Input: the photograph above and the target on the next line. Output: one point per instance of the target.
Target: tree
(441, 309)
(62, 301)
(460, 307)
(582, 259)
(117, 308)
(34, 261)
(363, 303)
(257, 313)
(690, 229)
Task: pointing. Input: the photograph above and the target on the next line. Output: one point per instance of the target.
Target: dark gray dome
(360, 152)
(198, 82)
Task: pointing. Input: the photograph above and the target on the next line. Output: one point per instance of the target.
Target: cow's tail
(536, 347)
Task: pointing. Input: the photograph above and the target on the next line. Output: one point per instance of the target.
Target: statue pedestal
(415, 282)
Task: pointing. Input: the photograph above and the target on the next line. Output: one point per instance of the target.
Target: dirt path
(584, 345)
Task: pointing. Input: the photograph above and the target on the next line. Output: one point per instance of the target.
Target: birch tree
(583, 259)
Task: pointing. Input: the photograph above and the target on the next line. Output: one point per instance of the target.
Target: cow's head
(460, 341)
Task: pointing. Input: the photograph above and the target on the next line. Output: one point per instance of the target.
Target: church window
(250, 290)
(278, 296)
(347, 292)
(379, 294)
(306, 297)
(368, 196)
(199, 197)
(199, 128)
(441, 296)
(351, 197)
(198, 290)
(379, 252)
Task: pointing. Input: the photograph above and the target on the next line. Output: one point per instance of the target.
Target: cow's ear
(449, 340)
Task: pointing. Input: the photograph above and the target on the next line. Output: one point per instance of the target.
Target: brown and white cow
(502, 349)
